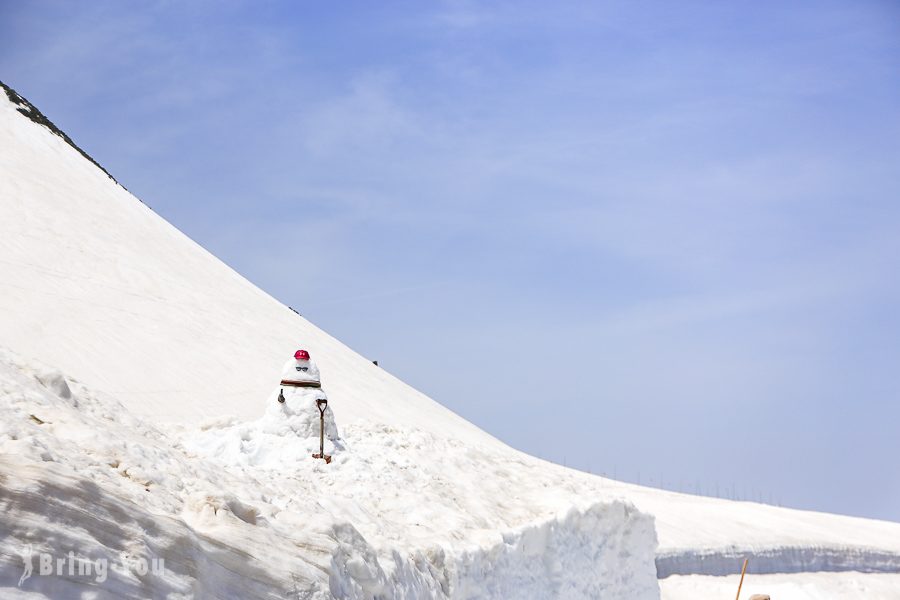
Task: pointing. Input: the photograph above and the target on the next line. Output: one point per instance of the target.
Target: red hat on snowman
(301, 355)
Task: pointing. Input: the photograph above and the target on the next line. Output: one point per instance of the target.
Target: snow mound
(288, 432)
(399, 513)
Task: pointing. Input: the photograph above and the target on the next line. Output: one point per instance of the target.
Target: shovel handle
(741, 584)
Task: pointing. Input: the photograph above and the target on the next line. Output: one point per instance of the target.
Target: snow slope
(106, 290)
(98, 286)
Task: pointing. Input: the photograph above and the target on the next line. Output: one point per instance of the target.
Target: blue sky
(652, 239)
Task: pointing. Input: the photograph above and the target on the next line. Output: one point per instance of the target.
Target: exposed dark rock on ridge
(31, 111)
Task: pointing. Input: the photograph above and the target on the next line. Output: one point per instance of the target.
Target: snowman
(294, 409)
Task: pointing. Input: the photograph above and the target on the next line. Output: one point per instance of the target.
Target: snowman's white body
(298, 414)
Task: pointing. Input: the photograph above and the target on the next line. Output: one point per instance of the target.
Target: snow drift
(120, 490)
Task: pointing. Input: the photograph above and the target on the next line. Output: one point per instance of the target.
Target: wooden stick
(741, 584)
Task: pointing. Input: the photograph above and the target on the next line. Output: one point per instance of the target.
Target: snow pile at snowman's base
(288, 432)
(399, 513)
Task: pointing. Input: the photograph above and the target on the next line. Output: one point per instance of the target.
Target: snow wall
(600, 553)
(80, 474)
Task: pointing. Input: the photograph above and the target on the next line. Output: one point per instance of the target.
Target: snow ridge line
(787, 559)
(32, 112)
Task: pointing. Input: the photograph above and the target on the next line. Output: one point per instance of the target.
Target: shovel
(322, 404)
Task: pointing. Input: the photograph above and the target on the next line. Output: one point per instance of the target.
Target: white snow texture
(256, 517)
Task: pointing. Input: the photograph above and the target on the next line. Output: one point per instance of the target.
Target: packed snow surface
(137, 442)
